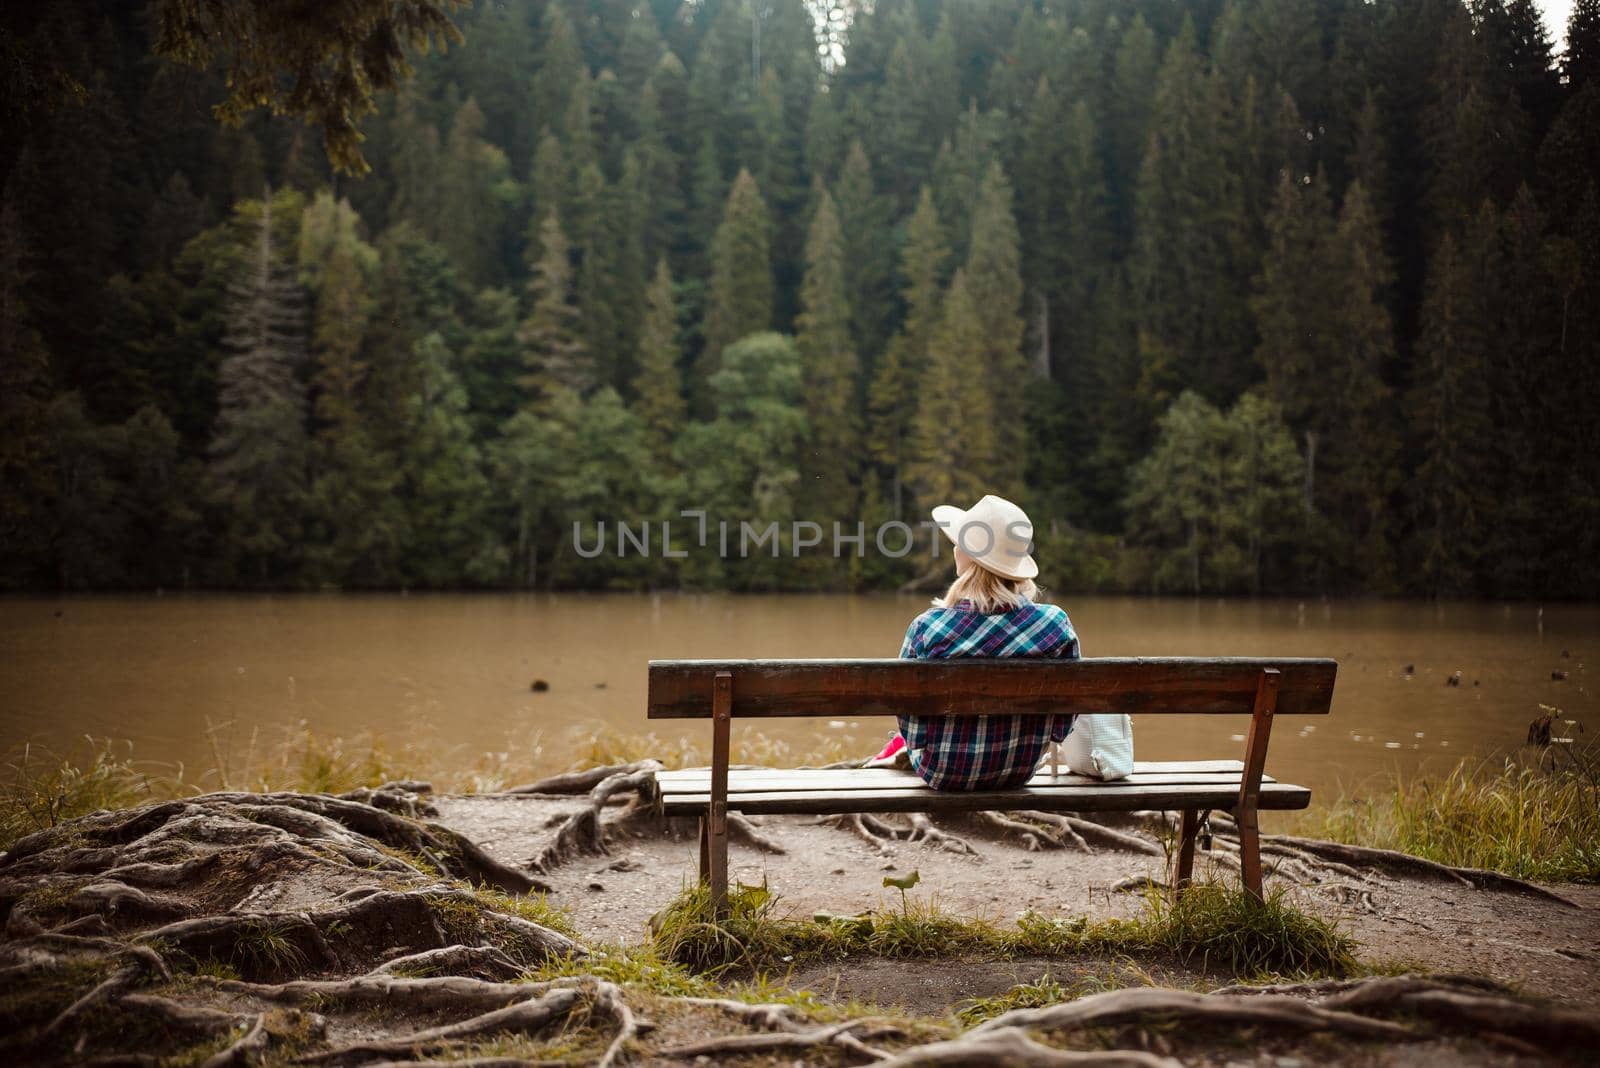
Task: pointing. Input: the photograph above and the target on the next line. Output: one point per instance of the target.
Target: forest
(1233, 296)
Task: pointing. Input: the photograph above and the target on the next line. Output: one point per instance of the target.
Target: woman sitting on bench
(988, 611)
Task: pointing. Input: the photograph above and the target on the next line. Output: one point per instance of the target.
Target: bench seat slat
(776, 781)
(1105, 797)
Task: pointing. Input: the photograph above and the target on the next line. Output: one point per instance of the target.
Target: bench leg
(705, 850)
(1183, 859)
(1249, 850)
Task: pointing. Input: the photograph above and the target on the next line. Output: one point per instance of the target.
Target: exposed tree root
(581, 782)
(1063, 826)
(1150, 1003)
(869, 828)
(1010, 1047)
(250, 1045)
(404, 797)
(1135, 884)
(582, 833)
(609, 1002)
(1324, 987)
(778, 1041)
(439, 993)
(528, 1016)
(1100, 834)
(478, 962)
(923, 830)
(1034, 837)
(771, 1015)
(743, 829)
(1356, 860)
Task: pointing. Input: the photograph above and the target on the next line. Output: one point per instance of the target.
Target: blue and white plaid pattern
(990, 751)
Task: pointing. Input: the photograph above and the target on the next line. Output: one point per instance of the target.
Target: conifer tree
(828, 368)
(1581, 62)
(553, 352)
(1137, 61)
(1449, 406)
(954, 452)
(447, 493)
(893, 398)
(739, 296)
(659, 387)
(26, 464)
(471, 221)
(595, 285)
(994, 279)
(868, 264)
(258, 449)
(353, 518)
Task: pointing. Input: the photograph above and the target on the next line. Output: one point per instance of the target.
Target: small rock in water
(1566, 654)
(1558, 676)
(539, 686)
(1453, 680)
(1409, 669)
(599, 685)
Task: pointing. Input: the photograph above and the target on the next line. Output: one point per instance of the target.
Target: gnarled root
(1063, 826)
(581, 782)
(1100, 834)
(528, 1016)
(924, 831)
(582, 833)
(1357, 860)
(1011, 1047)
(1147, 1003)
(778, 1041)
(478, 962)
(1034, 837)
(869, 828)
(743, 829)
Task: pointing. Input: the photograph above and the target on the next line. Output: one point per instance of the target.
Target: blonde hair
(988, 592)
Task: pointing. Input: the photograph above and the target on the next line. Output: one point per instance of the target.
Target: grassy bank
(1534, 815)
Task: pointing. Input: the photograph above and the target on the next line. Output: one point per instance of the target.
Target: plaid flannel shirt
(989, 751)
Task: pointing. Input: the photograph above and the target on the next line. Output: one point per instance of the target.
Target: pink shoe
(893, 755)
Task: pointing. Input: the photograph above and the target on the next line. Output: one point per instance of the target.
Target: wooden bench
(719, 690)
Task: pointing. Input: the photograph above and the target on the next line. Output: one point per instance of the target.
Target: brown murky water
(203, 680)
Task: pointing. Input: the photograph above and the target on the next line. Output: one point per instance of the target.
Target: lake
(209, 681)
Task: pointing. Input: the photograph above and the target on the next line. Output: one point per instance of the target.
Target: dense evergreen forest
(1231, 295)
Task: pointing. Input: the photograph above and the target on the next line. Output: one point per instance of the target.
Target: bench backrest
(683, 689)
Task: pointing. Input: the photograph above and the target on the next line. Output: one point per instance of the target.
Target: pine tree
(26, 463)
(1194, 316)
(553, 352)
(829, 369)
(739, 297)
(258, 450)
(868, 252)
(417, 166)
(1449, 406)
(954, 454)
(994, 279)
(353, 519)
(595, 285)
(472, 184)
(1581, 63)
(893, 398)
(446, 491)
(1138, 59)
(660, 406)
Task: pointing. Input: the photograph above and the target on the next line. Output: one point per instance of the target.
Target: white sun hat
(994, 532)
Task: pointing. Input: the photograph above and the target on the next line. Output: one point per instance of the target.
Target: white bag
(1099, 745)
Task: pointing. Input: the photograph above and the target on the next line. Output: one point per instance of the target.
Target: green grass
(1212, 926)
(40, 789)
(1535, 815)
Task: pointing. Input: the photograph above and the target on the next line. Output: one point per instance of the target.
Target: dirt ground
(1544, 947)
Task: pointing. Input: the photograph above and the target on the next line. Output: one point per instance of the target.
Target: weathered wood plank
(681, 689)
(1101, 798)
(887, 779)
